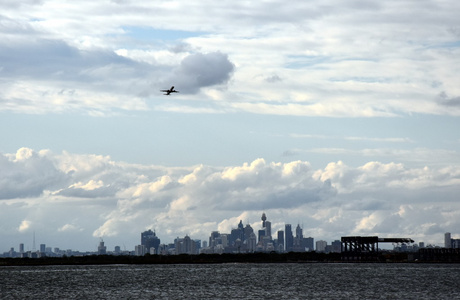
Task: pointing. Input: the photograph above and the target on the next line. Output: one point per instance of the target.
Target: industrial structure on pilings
(365, 248)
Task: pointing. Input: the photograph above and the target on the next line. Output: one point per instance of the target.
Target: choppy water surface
(233, 281)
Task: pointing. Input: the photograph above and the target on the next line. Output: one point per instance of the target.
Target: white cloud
(24, 226)
(27, 174)
(69, 228)
(202, 70)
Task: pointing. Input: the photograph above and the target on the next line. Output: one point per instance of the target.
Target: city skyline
(280, 241)
(341, 116)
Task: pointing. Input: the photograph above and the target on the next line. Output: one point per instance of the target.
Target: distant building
(185, 246)
(197, 245)
(321, 246)
(336, 246)
(224, 239)
(447, 240)
(150, 240)
(101, 249)
(268, 229)
(261, 234)
(213, 238)
(139, 250)
(280, 241)
(289, 238)
(252, 242)
(247, 232)
(298, 245)
(309, 243)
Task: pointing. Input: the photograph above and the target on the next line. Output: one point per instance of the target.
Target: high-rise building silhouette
(149, 240)
(289, 238)
(321, 246)
(298, 245)
(268, 229)
(264, 218)
(280, 240)
(447, 240)
(101, 249)
(213, 239)
(298, 232)
(261, 234)
(252, 242)
(237, 233)
(309, 243)
(247, 231)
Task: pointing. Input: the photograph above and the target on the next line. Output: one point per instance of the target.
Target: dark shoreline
(291, 257)
(175, 259)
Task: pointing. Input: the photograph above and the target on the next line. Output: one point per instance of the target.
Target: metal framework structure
(365, 248)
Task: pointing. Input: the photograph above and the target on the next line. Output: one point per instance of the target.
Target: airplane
(171, 90)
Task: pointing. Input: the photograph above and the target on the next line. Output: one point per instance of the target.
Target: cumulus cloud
(202, 70)
(28, 174)
(24, 226)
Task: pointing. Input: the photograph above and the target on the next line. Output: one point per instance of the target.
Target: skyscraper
(264, 218)
(298, 232)
(298, 240)
(247, 231)
(252, 242)
(321, 246)
(149, 240)
(309, 243)
(261, 234)
(280, 240)
(268, 229)
(213, 238)
(101, 249)
(447, 240)
(289, 237)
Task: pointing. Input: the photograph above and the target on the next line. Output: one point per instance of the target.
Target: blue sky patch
(149, 33)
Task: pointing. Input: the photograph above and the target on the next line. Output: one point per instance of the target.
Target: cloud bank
(74, 199)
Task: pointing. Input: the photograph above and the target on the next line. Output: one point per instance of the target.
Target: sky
(340, 116)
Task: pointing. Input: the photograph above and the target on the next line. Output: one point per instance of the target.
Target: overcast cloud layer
(342, 116)
(359, 58)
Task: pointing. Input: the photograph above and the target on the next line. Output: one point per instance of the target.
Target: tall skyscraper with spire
(264, 218)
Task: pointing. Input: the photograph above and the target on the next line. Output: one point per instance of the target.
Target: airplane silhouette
(171, 90)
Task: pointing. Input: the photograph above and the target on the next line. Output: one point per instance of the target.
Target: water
(233, 281)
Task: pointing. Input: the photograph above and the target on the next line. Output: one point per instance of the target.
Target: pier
(365, 248)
